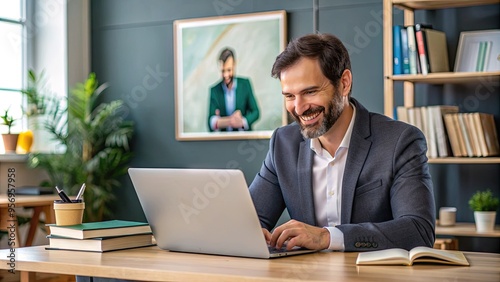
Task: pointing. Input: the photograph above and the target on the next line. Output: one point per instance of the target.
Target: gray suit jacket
(387, 195)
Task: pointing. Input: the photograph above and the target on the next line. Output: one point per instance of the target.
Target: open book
(415, 255)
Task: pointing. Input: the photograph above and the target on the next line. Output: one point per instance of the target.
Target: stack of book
(450, 133)
(100, 236)
(472, 134)
(419, 49)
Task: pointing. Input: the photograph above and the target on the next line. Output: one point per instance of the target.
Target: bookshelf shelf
(446, 77)
(454, 160)
(465, 229)
(440, 4)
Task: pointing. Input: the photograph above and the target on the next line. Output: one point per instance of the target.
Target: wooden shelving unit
(409, 81)
(465, 229)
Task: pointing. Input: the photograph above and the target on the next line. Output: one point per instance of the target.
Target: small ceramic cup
(447, 216)
(69, 213)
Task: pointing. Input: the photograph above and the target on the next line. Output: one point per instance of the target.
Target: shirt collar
(235, 84)
(315, 145)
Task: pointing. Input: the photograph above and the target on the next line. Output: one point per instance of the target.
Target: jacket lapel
(358, 151)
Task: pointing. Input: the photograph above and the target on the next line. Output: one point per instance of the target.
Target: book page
(390, 256)
(426, 254)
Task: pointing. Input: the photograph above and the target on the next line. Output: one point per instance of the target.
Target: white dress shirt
(328, 173)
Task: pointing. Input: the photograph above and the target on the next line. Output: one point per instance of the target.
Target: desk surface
(153, 264)
(29, 201)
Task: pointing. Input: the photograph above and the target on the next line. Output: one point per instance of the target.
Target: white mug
(447, 216)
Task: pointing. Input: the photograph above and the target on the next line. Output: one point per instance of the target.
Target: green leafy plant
(484, 201)
(8, 120)
(36, 94)
(96, 138)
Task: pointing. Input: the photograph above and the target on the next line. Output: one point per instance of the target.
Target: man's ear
(346, 81)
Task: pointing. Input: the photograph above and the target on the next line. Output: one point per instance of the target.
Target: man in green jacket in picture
(232, 104)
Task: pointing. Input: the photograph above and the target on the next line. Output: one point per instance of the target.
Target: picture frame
(478, 51)
(256, 39)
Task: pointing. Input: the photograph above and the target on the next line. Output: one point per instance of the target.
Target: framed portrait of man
(223, 84)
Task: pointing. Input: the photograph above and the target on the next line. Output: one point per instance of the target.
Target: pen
(80, 193)
(63, 195)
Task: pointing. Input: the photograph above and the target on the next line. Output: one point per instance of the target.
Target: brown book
(480, 134)
(471, 130)
(490, 134)
(452, 135)
(438, 127)
(461, 139)
(465, 134)
(437, 50)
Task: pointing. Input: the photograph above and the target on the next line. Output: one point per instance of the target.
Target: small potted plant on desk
(9, 139)
(484, 205)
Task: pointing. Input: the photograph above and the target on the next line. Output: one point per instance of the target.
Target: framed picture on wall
(223, 84)
(478, 51)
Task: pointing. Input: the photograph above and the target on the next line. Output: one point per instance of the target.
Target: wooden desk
(153, 264)
(465, 229)
(41, 203)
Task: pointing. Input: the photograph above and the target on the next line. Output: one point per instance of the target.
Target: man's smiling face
(311, 99)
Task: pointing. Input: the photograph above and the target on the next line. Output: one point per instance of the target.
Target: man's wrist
(336, 239)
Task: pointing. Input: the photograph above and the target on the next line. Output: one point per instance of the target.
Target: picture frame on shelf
(256, 39)
(478, 51)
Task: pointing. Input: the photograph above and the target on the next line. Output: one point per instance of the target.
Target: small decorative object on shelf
(484, 205)
(9, 139)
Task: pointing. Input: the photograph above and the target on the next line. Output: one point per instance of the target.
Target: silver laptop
(206, 211)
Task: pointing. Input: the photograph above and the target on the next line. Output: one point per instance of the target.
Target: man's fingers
(267, 235)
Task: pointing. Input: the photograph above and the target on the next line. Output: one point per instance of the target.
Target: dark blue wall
(132, 38)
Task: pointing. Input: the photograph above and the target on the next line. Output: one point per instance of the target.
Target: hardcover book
(101, 244)
(415, 255)
(437, 50)
(397, 50)
(100, 229)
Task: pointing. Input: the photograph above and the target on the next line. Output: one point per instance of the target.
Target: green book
(100, 229)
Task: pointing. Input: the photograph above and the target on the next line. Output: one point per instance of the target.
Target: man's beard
(335, 109)
(230, 81)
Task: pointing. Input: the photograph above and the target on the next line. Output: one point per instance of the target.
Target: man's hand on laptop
(295, 233)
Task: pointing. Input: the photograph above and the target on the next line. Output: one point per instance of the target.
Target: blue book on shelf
(405, 51)
(397, 50)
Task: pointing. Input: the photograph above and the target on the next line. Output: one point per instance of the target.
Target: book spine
(465, 134)
(397, 50)
(405, 51)
(412, 49)
(419, 35)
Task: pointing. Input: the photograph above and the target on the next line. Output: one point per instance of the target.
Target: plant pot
(485, 220)
(10, 142)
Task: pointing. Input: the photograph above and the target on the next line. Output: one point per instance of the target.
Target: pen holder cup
(69, 213)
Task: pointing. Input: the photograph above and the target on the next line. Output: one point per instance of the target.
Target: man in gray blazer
(351, 180)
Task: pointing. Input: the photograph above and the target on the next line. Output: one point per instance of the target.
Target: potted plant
(96, 139)
(9, 139)
(484, 205)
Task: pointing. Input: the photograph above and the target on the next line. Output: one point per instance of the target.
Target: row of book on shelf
(450, 133)
(419, 49)
(100, 236)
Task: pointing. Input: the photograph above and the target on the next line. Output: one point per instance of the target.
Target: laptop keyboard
(274, 250)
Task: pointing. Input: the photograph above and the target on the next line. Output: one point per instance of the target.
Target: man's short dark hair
(328, 49)
(226, 54)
